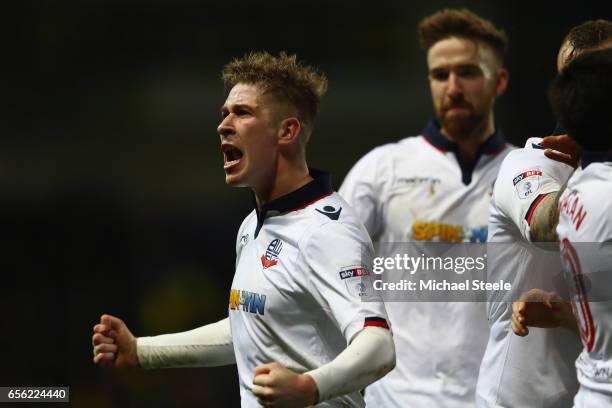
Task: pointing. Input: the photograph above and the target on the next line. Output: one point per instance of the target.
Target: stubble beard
(468, 124)
(464, 126)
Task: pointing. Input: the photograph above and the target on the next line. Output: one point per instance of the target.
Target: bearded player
(436, 188)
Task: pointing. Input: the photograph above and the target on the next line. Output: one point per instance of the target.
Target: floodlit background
(112, 193)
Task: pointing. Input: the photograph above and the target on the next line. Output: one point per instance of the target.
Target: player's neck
(289, 176)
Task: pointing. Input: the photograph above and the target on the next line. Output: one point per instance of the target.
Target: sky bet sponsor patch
(357, 280)
(353, 272)
(527, 182)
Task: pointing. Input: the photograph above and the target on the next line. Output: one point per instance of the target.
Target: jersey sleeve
(362, 189)
(338, 258)
(206, 346)
(525, 178)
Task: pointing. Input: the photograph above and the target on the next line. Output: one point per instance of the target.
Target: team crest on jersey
(527, 182)
(358, 281)
(270, 258)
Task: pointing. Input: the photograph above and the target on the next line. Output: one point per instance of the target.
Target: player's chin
(235, 174)
(232, 180)
(235, 179)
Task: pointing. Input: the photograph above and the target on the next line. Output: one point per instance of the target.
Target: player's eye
(438, 74)
(469, 72)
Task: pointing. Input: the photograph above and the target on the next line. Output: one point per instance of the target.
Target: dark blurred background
(112, 194)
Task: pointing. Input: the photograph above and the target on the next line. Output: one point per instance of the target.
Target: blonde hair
(288, 80)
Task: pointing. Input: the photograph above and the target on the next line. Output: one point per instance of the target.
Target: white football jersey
(585, 238)
(302, 280)
(536, 370)
(416, 190)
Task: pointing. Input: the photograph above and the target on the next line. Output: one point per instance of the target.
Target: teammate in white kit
(523, 210)
(580, 98)
(436, 187)
(535, 371)
(302, 267)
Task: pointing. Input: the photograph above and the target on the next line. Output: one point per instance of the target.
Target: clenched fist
(113, 343)
(277, 386)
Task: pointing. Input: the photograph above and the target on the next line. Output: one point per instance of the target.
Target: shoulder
(524, 178)
(376, 154)
(594, 186)
(528, 162)
(333, 219)
(595, 173)
(378, 163)
(585, 210)
(505, 151)
(401, 147)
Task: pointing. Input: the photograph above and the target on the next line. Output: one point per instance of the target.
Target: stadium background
(111, 182)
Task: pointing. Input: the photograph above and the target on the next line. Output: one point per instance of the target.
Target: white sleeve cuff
(368, 358)
(206, 346)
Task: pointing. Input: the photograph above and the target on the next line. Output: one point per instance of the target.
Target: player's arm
(546, 215)
(206, 346)
(538, 308)
(545, 218)
(368, 358)
(325, 257)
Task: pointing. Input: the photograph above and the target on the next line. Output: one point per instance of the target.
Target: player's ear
(503, 76)
(289, 131)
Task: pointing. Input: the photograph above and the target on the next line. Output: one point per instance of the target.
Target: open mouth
(231, 155)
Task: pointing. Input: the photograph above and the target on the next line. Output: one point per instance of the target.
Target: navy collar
(319, 187)
(493, 145)
(594, 156)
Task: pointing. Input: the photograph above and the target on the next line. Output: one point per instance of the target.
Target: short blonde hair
(288, 80)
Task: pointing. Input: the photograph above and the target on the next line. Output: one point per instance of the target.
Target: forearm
(545, 219)
(206, 346)
(368, 358)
